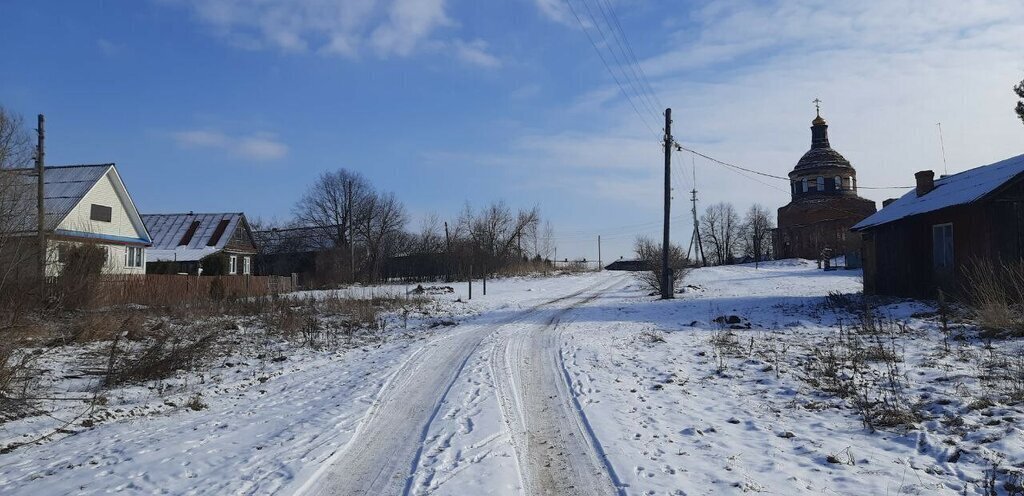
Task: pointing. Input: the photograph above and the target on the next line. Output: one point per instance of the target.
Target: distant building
(307, 252)
(824, 204)
(83, 204)
(218, 243)
(628, 265)
(922, 241)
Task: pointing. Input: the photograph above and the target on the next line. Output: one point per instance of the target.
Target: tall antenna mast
(942, 146)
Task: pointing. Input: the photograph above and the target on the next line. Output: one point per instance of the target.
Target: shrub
(649, 253)
(217, 290)
(78, 281)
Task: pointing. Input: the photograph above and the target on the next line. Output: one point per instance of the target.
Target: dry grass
(995, 291)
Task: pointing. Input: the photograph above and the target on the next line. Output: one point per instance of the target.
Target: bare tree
(757, 233)
(380, 224)
(17, 218)
(16, 148)
(332, 203)
(431, 236)
(649, 253)
(544, 243)
(720, 229)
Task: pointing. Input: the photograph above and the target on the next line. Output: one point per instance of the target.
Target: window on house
(62, 253)
(942, 246)
(232, 265)
(821, 183)
(839, 183)
(133, 256)
(805, 184)
(100, 213)
(246, 266)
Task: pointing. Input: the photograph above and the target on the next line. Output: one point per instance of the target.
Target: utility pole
(40, 207)
(600, 266)
(696, 246)
(666, 276)
(351, 234)
(447, 254)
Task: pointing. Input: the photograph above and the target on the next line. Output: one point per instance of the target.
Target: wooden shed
(925, 240)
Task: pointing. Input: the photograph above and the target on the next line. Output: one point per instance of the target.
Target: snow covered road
(566, 385)
(555, 450)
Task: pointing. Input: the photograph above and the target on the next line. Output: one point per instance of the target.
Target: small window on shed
(942, 246)
(100, 213)
(218, 232)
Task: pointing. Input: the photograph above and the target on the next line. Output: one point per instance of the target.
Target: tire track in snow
(555, 447)
(382, 456)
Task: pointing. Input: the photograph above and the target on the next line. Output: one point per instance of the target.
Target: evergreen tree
(1019, 89)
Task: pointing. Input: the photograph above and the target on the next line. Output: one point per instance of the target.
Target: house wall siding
(898, 258)
(115, 263)
(103, 193)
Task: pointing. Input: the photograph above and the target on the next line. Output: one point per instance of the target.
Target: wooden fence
(174, 289)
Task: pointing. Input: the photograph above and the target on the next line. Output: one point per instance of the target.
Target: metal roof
(64, 187)
(957, 189)
(169, 232)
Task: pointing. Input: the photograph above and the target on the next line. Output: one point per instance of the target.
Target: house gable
(106, 211)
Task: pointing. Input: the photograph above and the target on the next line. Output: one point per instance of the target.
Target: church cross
(817, 106)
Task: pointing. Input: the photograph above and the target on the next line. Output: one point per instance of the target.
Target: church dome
(821, 153)
(822, 157)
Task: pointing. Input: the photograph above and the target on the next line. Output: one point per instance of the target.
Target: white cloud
(109, 48)
(556, 10)
(740, 76)
(347, 28)
(475, 53)
(409, 23)
(258, 146)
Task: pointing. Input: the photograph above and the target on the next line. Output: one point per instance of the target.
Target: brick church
(824, 204)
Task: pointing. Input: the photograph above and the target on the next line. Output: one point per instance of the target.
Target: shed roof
(174, 238)
(957, 189)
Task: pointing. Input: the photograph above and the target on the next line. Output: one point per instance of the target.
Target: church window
(805, 185)
(839, 183)
(821, 183)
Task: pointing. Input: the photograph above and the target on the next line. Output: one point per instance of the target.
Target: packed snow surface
(565, 385)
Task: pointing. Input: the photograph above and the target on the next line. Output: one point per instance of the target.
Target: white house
(88, 204)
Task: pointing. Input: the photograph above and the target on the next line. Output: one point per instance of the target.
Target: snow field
(564, 385)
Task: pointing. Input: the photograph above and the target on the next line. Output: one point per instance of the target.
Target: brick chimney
(925, 182)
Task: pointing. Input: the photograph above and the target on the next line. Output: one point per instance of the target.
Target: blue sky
(234, 105)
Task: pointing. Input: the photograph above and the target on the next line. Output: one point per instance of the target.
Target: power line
(608, 67)
(632, 54)
(635, 82)
(752, 171)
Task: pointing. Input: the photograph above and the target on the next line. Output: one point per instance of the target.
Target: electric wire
(604, 61)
